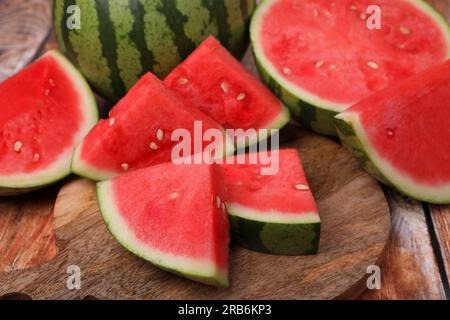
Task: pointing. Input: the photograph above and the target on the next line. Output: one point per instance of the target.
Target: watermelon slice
(402, 134)
(320, 57)
(168, 215)
(47, 109)
(273, 213)
(218, 84)
(139, 132)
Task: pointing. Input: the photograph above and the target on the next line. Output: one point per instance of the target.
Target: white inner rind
(300, 92)
(272, 216)
(403, 181)
(60, 167)
(189, 267)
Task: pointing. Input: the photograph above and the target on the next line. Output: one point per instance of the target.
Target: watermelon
(118, 41)
(47, 109)
(219, 85)
(401, 135)
(168, 215)
(272, 213)
(320, 57)
(139, 133)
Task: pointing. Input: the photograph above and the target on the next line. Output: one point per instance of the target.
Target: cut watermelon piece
(168, 215)
(320, 56)
(139, 132)
(274, 213)
(219, 85)
(47, 109)
(401, 135)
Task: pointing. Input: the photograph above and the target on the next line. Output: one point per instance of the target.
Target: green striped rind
(353, 139)
(309, 110)
(200, 271)
(60, 168)
(292, 239)
(120, 40)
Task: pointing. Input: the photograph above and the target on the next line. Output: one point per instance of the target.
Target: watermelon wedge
(139, 132)
(273, 213)
(168, 215)
(401, 134)
(321, 56)
(219, 85)
(47, 109)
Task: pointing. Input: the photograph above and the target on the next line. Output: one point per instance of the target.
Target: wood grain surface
(355, 231)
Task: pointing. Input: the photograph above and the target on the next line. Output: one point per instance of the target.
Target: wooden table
(416, 264)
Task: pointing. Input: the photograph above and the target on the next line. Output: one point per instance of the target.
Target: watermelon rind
(199, 270)
(26, 182)
(354, 137)
(312, 111)
(119, 40)
(86, 170)
(275, 232)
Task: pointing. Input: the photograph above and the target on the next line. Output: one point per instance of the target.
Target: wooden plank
(440, 216)
(24, 27)
(408, 269)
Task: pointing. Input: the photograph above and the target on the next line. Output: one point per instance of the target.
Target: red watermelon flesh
(405, 132)
(139, 131)
(325, 47)
(275, 211)
(47, 109)
(168, 215)
(219, 85)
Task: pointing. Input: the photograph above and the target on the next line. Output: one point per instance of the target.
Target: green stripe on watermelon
(109, 45)
(312, 111)
(274, 237)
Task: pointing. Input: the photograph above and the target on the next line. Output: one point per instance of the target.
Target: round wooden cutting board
(355, 230)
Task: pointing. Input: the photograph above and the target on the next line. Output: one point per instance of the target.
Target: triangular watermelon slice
(219, 85)
(273, 213)
(46, 110)
(401, 135)
(139, 132)
(169, 215)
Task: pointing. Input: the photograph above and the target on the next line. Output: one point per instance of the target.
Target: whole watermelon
(117, 41)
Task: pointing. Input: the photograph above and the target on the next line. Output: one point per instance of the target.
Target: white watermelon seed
(124, 166)
(373, 65)
(353, 7)
(319, 64)
(287, 71)
(17, 146)
(173, 195)
(315, 13)
(363, 16)
(47, 92)
(52, 82)
(333, 67)
(241, 97)
(153, 146)
(218, 201)
(390, 132)
(159, 135)
(301, 187)
(36, 157)
(401, 46)
(223, 207)
(327, 13)
(225, 87)
(183, 81)
(405, 30)
(112, 121)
